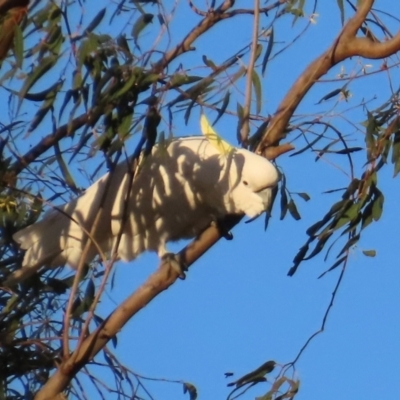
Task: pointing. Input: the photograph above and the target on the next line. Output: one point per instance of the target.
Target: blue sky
(237, 308)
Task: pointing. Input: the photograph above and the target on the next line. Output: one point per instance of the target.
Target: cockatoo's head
(257, 177)
(258, 173)
(252, 177)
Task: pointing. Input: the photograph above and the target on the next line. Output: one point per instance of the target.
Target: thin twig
(245, 125)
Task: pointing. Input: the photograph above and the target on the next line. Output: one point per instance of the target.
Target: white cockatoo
(176, 193)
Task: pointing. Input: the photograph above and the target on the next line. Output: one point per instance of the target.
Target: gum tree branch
(159, 281)
(48, 142)
(211, 18)
(245, 128)
(346, 45)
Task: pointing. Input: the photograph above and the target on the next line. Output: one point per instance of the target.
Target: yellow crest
(207, 130)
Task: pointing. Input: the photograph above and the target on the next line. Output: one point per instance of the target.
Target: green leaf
(268, 52)
(18, 46)
(188, 111)
(301, 253)
(125, 124)
(284, 201)
(369, 253)
(124, 46)
(140, 24)
(372, 130)
(367, 215)
(87, 46)
(257, 89)
(377, 207)
(45, 65)
(78, 308)
(128, 85)
(191, 389)
(69, 181)
(209, 63)
(351, 242)
(348, 150)
(35, 210)
(46, 94)
(396, 153)
(293, 210)
(67, 98)
(320, 245)
(237, 75)
(334, 266)
(149, 79)
(89, 294)
(182, 79)
(341, 8)
(224, 106)
(254, 376)
(304, 196)
(300, 256)
(258, 50)
(310, 145)
(54, 42)
(95, 21)
(330, 95)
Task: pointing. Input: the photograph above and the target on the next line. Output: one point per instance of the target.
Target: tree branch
(365, 47)
(159, 281)
(47, 142)
(244, 131)
(346, 45)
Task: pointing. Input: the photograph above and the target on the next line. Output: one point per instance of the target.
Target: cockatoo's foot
(223, 230)
(176, 262)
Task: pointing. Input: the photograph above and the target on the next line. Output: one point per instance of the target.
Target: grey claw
(221, 226)
(176, 262)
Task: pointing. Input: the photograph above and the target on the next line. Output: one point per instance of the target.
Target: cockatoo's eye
(245, 183)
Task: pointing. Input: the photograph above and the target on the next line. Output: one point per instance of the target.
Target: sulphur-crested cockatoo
(176, 193)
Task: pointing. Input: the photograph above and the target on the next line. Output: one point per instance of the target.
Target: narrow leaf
(45, 65)
(293, 210)
(69, 181)
(18, 46)
(255, 375)
(377, 207)
(304, 196)
(341, 8)
(140, 24)
(96, 21)
(330, 95)
(191, 389)
(369, 253)
(257, 89)
(224, 106)
(268, 52)
(335, 265)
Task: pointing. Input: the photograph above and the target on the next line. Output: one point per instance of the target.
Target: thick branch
(6, 5)
(346, 45)
(367, 48)
(159, 281)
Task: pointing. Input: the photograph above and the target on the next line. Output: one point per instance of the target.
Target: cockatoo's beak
(266, 196)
